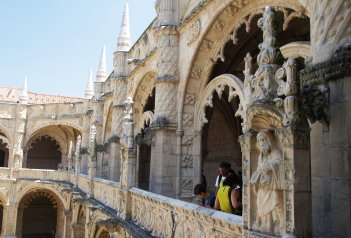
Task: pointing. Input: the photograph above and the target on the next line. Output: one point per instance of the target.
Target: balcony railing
(157, 214)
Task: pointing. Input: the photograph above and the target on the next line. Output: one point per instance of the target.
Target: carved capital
(245, 142)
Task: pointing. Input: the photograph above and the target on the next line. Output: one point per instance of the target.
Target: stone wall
(331, 161)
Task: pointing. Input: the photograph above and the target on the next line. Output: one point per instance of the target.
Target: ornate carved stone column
(275, 149)
(85, 137)
(70, 157)
(92, 160)
(97, 121)
(247, 143)
(77, 159)
(67, 224)
(128, 159)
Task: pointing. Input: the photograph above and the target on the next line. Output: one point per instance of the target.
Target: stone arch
(5, 133)
(43, 209)
(45, 187)
(58, 123)
(81, 215)
(145, 119)
(227, 17)
(295, 50)
(101, 233)
(141, 94)
(218, 85)
(63, 135)
(79, 220)
(94, 228)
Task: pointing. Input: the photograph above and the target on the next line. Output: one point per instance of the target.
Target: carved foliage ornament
(193, 31)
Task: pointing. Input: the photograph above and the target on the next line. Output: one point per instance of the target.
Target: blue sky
(55, 43)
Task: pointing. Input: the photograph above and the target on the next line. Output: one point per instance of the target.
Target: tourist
(208, 197)
(224, 171)
(228, 197)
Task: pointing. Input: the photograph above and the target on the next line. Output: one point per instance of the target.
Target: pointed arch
(218, 85)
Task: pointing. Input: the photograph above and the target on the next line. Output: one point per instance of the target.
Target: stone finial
(101, 75)
(89, 91)
(23, 98)
(124, 41)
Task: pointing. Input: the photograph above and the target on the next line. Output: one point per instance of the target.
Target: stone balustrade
(159, 215)
(168, 217)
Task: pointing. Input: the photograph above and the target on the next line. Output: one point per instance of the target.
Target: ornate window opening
(39, 215)
(144, 140)
(44, 153)
(4, 150)
(220, 136)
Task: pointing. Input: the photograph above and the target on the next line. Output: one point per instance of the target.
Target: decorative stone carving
(188, 119)
(219, 25)
(187, 140)
(268, 59)
(78, 147)
(286, 79)
(186, 184)
(196, 72)
(187, 161)
(193, 31)
(206, 46)
(248, 81)
(289, 15)
(146, 137)
(92, 142)
(268, 185)
(190, 99)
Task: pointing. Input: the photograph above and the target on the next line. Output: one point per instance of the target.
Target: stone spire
(101, 75)
(89, 91)
(124, 42)
(23, 98)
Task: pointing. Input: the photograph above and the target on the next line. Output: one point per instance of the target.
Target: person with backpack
(228, 197)
(224, 170)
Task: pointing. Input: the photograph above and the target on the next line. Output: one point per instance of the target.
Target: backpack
(236, 211)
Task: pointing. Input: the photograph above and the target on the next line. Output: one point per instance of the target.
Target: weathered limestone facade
(262, 84)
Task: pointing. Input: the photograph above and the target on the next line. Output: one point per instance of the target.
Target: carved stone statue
(268, 185)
